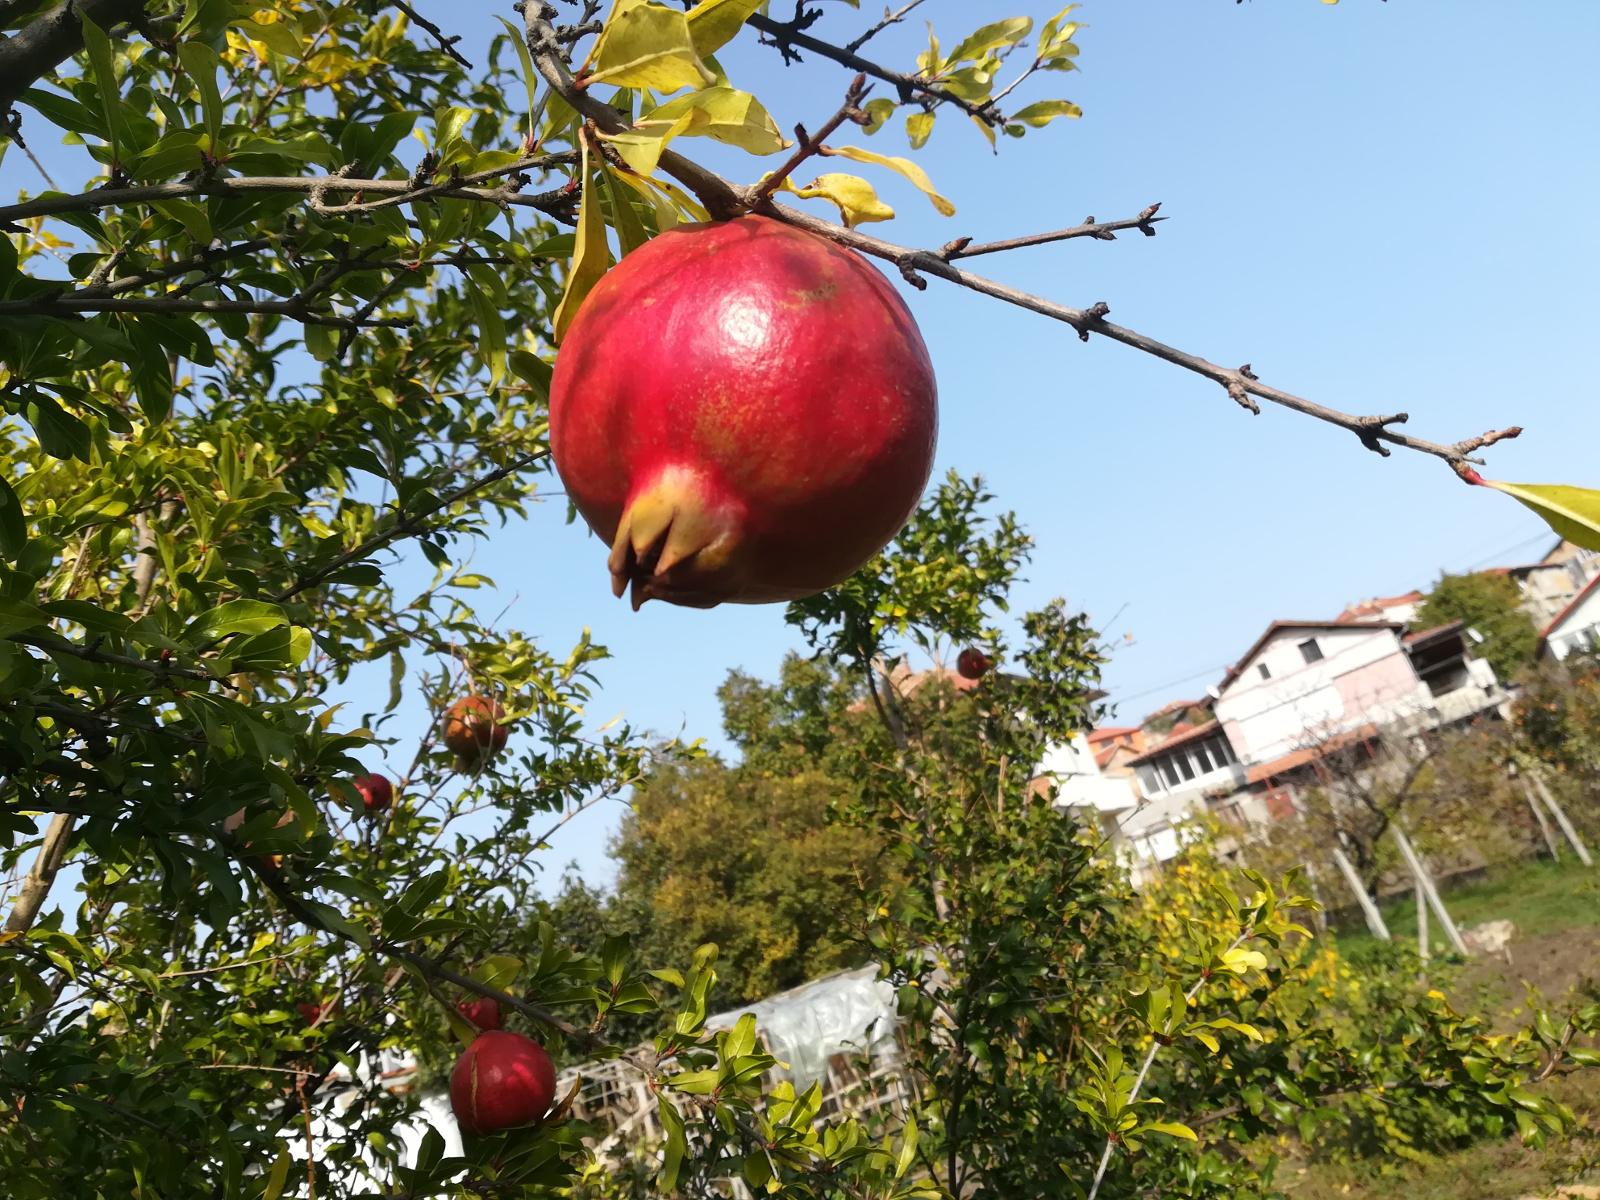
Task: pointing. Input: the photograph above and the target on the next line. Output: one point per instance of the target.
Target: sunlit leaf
(646, 45)
(857, 201)
(903, 166)
(1573, 512)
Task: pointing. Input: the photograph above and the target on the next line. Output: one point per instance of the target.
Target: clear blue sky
(1380, 206)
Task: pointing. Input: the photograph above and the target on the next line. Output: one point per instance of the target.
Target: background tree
(1491, 605)
(750, 860)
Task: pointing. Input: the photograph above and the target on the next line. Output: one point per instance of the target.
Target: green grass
(1539, 898)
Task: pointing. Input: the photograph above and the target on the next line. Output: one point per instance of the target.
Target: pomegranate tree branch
(889, 18)
(67, 302)
(724, 199)
(52, 853)
(790, 36)
(447, 44)
(53, 37)
(1105, 231)
(809, 144)
(556, 201)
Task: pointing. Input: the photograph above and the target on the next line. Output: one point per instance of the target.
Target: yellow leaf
(902, 165)
(722, 113)
(646, 45)
(591, 256)
(856, 200)
(1573, 512)
(713, 23)
(918, 126)
(1239, 960)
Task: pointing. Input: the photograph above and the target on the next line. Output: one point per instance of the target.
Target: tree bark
(42, 874)
(53, 37)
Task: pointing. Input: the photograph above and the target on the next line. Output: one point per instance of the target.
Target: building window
(1310, 651)
(1182, 760)
(1169, 773)
(1262, 667)
(1202, 760)
(1221, 751)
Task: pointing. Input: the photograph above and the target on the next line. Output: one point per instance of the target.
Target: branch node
(1092, 316)
(908, 271)
(1243, 398)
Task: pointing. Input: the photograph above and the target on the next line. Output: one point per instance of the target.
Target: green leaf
(530, 76)
(13, 524)
(714, 23)
(98, 47)
(201, 62)
(498, 971)
(724, 114)
(236, 616)
(286, 646)
(677, 1144)
(591, 256)
(1171, 1128)
(908, 1148)
(1042, 112)
(276, 1177)
(903, 166)
(15, 616)
(646, 45)
(991, 37)
(1573, 512)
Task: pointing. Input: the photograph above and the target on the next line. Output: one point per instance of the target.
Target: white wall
(1363, 676)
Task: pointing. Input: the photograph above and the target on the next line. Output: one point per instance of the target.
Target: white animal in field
(1492, 937)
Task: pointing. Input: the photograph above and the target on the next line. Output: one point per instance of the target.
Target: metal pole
(1578, 847)
(1368, 908)
(1544, 825)
(1425, 882)
(1422, 925)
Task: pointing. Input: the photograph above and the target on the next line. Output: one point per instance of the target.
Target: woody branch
(723, 198)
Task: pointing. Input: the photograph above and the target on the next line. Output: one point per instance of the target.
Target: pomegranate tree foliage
(200, 534)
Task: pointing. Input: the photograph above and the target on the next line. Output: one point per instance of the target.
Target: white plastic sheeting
(852, 1012)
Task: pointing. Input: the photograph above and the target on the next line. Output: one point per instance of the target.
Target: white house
(1575, 627)
(1101, 800)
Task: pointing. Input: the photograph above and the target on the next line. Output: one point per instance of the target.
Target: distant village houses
(1303, 690)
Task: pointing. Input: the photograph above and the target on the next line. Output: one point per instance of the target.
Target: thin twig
(908, 86)
(447, 44)
(70, 302)
(1105, 231)
(889, 18)
(555, 200)
(46, 865)
(810, 144)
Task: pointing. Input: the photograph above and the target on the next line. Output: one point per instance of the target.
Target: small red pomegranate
(501, 1081)
(973, 663)
(377, 793)
(309, 1012)
(744, 411)
(472, 727)
(484, 1011)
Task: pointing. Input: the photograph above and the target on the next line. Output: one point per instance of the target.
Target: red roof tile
(1188, 734)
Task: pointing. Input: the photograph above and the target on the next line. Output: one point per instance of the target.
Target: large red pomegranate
(501, 1080)
(744, 411)
(973, 663)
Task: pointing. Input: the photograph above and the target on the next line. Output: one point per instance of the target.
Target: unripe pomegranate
(500, 1081)
(377, 793)
(483, 1012)
(972, 663)
(744, 411)
(472, 727)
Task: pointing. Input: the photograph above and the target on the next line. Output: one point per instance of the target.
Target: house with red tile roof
(1576, 627)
